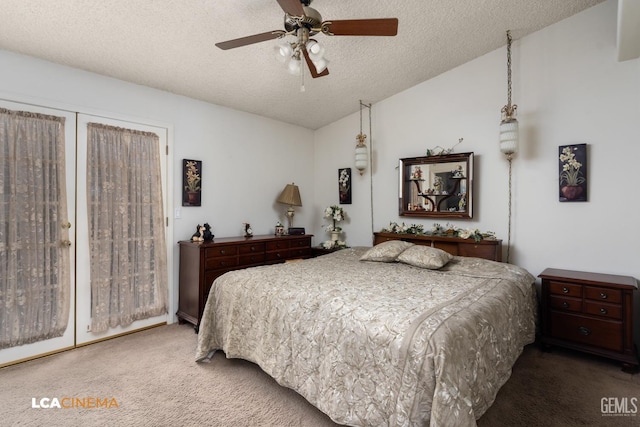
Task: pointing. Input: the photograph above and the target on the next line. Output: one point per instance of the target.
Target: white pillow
(386, 251)
(425, 257)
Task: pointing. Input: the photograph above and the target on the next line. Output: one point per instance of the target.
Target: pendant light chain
(509, 227)
(508, 72)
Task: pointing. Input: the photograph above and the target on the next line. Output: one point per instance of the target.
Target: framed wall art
(191, 182)
(344, 186)
(572, 165)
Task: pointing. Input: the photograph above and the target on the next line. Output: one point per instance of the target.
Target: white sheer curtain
(126, 227)
(34, 265)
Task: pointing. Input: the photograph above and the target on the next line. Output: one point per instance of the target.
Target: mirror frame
(409, 185)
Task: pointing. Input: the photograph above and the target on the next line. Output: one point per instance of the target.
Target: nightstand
(591, 312)
(318, 250)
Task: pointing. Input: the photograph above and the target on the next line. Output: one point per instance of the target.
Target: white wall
(569, 88)
(247, 159)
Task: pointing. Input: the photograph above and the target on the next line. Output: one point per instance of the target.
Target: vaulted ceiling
(170, 45)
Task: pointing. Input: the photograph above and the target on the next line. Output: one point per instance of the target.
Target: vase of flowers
(335, 214)
(571, 178)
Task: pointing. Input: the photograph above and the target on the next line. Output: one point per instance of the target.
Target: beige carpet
(153, 379)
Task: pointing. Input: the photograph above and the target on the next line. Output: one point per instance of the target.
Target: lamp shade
(361, 154)
(509, 136)
(290, 196)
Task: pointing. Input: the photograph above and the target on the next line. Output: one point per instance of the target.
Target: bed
(381, 341)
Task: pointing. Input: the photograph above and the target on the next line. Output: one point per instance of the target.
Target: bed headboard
(487, 248)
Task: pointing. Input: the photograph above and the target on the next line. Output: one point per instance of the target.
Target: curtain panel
(126, 226)
(34, 264)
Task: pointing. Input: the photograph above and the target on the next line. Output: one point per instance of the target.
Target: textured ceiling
(169, 45)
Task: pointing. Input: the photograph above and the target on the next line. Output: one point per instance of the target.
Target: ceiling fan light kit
(302, 21)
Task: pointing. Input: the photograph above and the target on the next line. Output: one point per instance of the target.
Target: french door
(76, 247)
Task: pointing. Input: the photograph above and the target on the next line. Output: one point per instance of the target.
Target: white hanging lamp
(362, 152)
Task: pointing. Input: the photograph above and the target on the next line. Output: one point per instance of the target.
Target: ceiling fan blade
(361, 27)
(256, 38)
(292, 7)
(312, 67)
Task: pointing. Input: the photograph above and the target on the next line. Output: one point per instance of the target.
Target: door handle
(66, 243)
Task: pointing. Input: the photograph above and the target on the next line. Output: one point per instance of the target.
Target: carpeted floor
(150, 379)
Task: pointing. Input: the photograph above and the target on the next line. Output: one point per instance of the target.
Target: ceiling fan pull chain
(302, 89)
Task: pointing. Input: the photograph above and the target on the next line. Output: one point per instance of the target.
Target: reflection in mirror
(437, 186)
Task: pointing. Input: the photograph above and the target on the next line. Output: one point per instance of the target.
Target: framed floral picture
(344, 186)
(573, 173)
(191, 182)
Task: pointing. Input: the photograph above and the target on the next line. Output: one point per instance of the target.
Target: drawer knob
(565, 304)
(223, 263)
(222, 251)
(603, 310)
(253, 248)
(603, 295)
(565, 290)
(584, 331)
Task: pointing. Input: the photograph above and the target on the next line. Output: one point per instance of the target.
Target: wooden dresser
(487, 248)
(590, 312)
(202, 263)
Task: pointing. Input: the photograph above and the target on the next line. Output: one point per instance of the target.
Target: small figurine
(198, 236)
(207, 234)
(248, 232)
(279, 229)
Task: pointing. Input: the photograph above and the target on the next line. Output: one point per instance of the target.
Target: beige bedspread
(377, 344)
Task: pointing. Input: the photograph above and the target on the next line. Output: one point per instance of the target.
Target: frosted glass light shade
(320, 64)
(294, 66)
(315, 49)
(361, 157)
(283, 52)
(509, 136)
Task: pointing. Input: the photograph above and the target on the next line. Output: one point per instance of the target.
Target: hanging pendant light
(509, 123)
(362, 152)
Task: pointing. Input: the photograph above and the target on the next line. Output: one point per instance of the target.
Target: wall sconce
(509, 124)
(362, 152)
(290, 196)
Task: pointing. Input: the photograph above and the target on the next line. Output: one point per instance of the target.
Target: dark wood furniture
(202, 263)
(487, 248)
(590, 312)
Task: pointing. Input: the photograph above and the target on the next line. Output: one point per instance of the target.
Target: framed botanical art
(573, 173)
(344, 186)
(191, 182)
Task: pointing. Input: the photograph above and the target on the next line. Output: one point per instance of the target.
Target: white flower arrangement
(335, 214)
(334, 244)
(343, 179)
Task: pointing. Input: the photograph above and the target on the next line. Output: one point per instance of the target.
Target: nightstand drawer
(566, 289)
(612, 311)
(565, 304)
(594, 332)
(602, 294)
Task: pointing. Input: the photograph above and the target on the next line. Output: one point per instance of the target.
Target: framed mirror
(437, 186)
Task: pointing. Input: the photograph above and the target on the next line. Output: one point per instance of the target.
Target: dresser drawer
(602, 294)
(278, 245)
(565, 304)
(251, 259)
(611, 311)
(220, 262)
(221, 251)
(566, 289)
(252, 248)
(301, 243)
(605, 334)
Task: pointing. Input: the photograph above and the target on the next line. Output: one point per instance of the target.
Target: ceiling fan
(302, 21)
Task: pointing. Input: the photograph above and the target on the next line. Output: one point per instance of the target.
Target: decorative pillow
(386, 251)
(425, 257)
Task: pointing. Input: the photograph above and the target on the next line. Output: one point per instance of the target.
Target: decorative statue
(248, 232)
(207, 234)
(198, 236)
